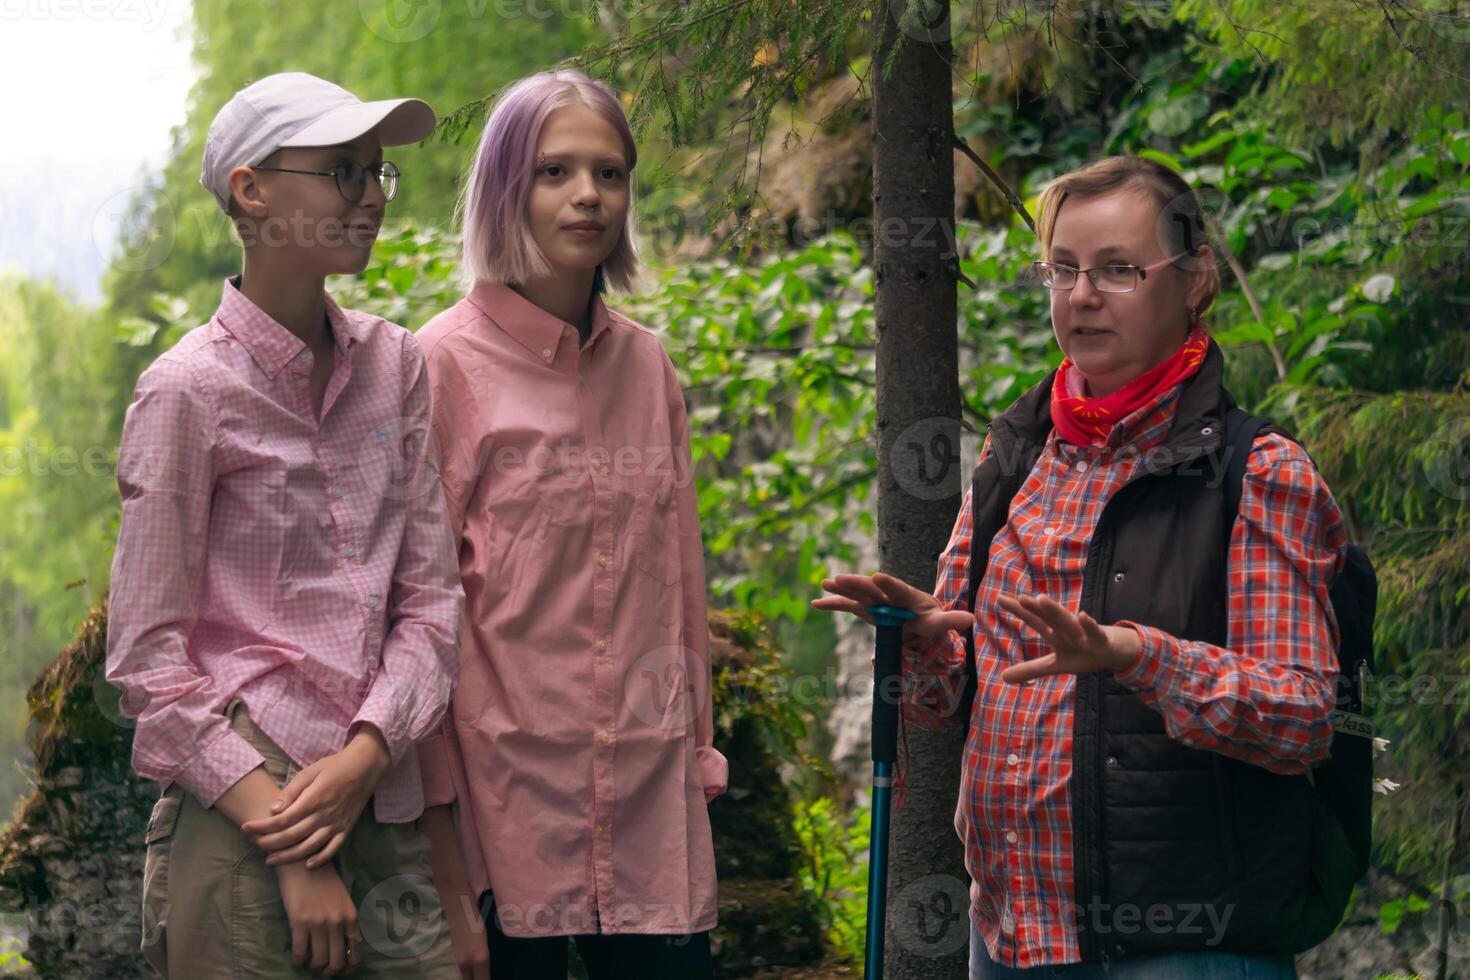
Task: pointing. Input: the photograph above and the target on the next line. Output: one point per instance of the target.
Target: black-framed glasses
(351, 177)
(1115, 277)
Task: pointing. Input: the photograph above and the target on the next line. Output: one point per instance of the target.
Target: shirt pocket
(308, 552)
(247, 535)
(655, 540)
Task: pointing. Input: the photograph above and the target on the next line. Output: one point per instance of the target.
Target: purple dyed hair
(498, 246)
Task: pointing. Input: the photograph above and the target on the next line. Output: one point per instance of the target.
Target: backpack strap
(1241, 430)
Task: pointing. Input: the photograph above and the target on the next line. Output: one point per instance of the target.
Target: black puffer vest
(1174, 848)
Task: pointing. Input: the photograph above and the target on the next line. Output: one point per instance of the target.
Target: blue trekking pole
(887, 682)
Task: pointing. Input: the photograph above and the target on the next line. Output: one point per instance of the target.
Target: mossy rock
(71, 864)
(764, 923)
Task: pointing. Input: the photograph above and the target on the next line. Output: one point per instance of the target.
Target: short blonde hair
(1180, 212)
(498, 246)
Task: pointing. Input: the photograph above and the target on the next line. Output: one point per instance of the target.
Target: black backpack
(1344, 781)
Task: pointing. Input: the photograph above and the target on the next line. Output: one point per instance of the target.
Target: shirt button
(352, 550)
(1081, 467)
(336, 491)
(302, 356)
(1011, 837)
(372, 600)
(1118, 576)
(601, 646)
(546, 353)
(1013, 759)
(1112, 760)
(602, 560)
(1048, 531)
(1207, 430)
(604, 737)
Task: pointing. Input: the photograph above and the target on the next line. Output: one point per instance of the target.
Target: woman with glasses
(1152, 684)
(285, 604)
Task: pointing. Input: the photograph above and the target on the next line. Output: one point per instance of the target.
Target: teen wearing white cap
(285, 604)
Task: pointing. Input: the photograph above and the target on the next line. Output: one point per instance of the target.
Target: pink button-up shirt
(305, 566)
(578, 747)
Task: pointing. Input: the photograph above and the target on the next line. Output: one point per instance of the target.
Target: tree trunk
(919, 478)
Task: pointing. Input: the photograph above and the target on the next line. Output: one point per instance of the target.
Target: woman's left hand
(321, 803)
(1079, 644)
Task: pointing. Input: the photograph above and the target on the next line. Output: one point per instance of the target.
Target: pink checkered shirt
(305, 566)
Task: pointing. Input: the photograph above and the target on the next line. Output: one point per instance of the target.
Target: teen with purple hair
(567, 791)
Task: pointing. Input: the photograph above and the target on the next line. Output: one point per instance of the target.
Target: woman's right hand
(325, 935)
(856, 593)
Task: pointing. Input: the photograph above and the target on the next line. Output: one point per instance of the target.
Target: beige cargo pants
(212, 908)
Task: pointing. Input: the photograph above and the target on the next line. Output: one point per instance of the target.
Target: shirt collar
(272, 345)
(531, 326)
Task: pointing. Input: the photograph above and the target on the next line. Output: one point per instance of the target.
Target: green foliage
(835, 871)
(57, 491)
(412, 276)
(1391, 913)
(1345, 71)
(12, 957)
(756, 691)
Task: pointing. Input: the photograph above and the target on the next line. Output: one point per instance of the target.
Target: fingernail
(276, 806)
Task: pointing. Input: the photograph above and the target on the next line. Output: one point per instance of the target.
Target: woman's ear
(1202, 265)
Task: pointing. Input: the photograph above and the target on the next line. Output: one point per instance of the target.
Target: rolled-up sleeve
(420, 662)
(165, 474)
(1266, 699)
(934, 677)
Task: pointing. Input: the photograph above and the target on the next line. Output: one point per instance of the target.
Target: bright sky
(90, 89)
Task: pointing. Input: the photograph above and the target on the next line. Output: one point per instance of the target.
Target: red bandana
(1082, 420)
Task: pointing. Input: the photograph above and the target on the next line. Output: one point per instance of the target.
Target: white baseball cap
(297, 109)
